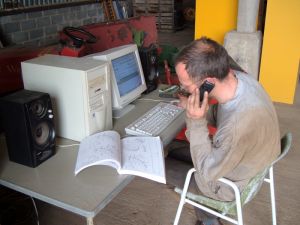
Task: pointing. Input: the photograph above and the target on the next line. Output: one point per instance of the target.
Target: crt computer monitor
(127, 77)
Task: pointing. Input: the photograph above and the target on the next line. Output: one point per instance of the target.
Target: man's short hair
(203, 58)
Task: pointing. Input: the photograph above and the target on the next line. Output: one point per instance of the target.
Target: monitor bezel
(120, 102)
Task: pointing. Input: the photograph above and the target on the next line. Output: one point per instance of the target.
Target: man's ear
(211, 79)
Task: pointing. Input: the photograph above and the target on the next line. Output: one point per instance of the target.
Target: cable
(173, 101)
(36, 211)
(65, 146)
(17, 210)
(158, 100)
(149, 99)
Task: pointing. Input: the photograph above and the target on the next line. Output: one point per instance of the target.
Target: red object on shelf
(114, 34)
(171, 79)
(109, 35)
(73, 51)
(10, 65)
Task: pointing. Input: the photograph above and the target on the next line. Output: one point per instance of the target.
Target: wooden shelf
(163, 10)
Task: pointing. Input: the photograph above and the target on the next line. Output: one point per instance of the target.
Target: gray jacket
(247, 139)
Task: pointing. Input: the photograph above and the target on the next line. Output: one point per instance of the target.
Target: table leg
(89, 221)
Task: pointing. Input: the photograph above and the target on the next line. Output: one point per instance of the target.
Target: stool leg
(179, 210)
(183, 195)
(272, 192)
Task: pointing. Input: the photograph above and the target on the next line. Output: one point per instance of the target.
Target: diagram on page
(103, 146)
(139, 155)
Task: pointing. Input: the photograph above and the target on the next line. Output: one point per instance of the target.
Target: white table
(92, 189)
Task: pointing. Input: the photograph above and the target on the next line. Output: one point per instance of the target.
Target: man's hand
(182, 101)
(193, 108)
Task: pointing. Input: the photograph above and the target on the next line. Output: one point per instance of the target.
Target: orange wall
(281, 50)
(214, 18)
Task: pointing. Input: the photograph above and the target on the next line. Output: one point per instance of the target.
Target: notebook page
(99, 149)
(143, 156)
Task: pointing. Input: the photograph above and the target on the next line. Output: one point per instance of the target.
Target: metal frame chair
(234, 208)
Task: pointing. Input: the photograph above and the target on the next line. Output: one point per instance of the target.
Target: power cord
(173, 101)
(36, 211)
(150, 99)
(65, 146)
(17, 208)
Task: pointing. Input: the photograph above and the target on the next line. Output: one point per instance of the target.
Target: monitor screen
(127, 73)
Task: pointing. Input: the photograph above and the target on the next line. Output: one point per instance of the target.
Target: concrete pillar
(247, 15)
(245, 49)
(244, 44)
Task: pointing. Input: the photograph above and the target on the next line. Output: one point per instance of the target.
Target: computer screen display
(127, 73)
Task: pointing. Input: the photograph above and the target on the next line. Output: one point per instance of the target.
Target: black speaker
(28, 125)
(149, 60)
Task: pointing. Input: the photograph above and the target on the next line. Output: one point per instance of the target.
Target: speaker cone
(42, 133)
(38, 108)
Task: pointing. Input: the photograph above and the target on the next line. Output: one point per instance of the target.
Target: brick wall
(41, 28)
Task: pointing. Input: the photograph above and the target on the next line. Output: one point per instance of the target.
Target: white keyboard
(153, 122)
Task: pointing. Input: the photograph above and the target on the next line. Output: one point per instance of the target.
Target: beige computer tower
(79, 89)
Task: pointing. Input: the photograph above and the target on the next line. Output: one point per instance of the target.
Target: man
(247, 137)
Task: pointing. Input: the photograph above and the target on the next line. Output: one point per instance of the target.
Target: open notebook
(140, 156)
